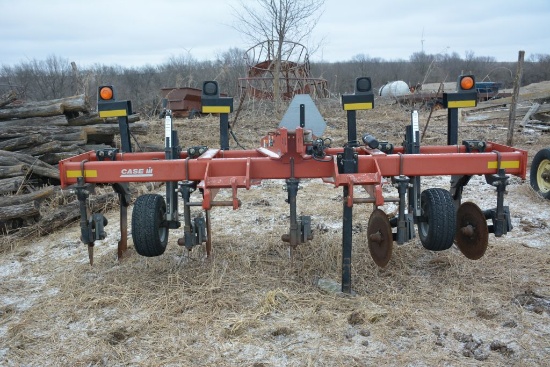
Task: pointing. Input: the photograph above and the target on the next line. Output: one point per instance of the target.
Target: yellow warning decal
(459, 104)
(358, 106)
(216, 109)
(78, 173)
(112, 113)
(503, 164)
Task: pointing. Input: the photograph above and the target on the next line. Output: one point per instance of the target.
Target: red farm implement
(293, 153)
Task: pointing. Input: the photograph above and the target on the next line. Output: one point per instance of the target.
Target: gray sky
(141, 32)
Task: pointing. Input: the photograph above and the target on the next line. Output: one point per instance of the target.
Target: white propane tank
(397, 88)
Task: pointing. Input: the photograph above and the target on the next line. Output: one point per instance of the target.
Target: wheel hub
(472, 234)
(380, 238)
(543, 176)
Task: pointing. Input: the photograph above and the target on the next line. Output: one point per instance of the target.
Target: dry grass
(253, 306)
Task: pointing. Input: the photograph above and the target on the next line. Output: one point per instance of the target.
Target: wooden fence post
(515, 95)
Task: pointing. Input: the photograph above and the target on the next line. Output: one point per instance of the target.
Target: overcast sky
(141, 32)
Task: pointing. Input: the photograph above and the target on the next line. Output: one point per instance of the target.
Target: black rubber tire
(150, 238)
(541, 162)
(437, 233)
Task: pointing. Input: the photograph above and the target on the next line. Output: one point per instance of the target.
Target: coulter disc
(472, 234)
(380, 237)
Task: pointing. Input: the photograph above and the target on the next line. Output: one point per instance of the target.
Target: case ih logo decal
(136, 172)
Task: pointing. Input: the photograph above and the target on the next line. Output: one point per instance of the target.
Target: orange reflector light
(106, 93)
(467, 83)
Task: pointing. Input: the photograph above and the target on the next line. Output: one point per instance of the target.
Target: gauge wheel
(149, 233)
(437, 226)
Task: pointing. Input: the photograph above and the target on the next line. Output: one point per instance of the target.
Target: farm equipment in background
(183, 102)
(294, 152)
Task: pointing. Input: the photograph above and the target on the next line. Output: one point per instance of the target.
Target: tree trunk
(25, 133)
(25, 198)
(46, 108)
(10, 185)
(55, 157)
(18, 158)
(23, 142)
(33, 122)
(19, 210)
(112, 129)
(14, 171)
(48, 147)
(93, 118)
(45, 172)
(7, 98)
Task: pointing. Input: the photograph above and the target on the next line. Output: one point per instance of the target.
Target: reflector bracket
(460, 104)
(77, 173)
(358, 106)
(216, 109)
(112, 113)
(503, 164)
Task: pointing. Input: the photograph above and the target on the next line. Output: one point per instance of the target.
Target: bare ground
(253, 306)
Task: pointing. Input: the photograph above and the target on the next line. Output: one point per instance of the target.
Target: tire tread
(146, 220)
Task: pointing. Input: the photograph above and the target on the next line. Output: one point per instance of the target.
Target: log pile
(34, 137)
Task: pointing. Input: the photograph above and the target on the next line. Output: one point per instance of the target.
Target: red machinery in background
(293, 154)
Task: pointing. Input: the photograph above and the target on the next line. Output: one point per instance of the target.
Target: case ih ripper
(293, 153)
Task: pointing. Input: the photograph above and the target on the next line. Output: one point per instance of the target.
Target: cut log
(7, 98)
(93, 118)
(53, 147)
(49, 147)
(14, 171)
(18, 158)
(37, 196)
(10, 132)
(11, 185)
(68, 136)
(52, 152)
(139, 128)
(54, 158)
(35, 122)
(19, 210)
(23, 142)
(45, 172)
(46, 108)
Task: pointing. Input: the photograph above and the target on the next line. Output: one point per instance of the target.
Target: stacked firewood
(34, 137)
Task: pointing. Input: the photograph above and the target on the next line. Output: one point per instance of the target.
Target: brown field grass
(251, 305)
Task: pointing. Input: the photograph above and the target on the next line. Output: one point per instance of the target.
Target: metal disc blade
(472, 234)
(380, 237)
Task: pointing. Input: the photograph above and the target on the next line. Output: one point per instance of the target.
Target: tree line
(56, 77)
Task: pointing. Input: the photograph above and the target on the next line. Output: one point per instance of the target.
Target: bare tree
(277, 21)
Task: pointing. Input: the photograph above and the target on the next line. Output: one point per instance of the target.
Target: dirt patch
(253, 306)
